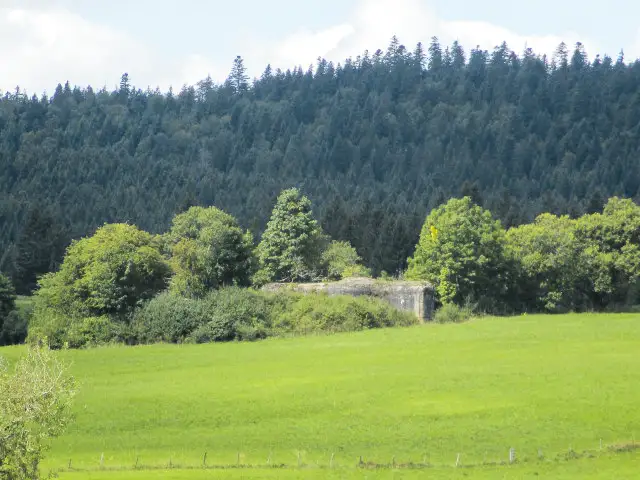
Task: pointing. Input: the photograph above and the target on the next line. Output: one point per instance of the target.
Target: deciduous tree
(35, 406)
(208, 250)
(460, 251)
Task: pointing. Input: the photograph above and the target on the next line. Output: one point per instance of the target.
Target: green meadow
(562, 391)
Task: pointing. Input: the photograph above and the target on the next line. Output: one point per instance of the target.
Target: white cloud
(41, 47)
(44, 48)
(374, 22)
(304, 47)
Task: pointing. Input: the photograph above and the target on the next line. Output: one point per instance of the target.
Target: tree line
(377, 142)
(554, 264)
(190, 283)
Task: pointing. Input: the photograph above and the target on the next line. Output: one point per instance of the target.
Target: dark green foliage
(169, 318)
(14, 328)
(11, 325)
(7, 297)
(230, 313)
(38, 249)
(235, 314)
(376, 143)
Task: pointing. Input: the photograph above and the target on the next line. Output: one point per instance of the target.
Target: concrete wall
(416, 297)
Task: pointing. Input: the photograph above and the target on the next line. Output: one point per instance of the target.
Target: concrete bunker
(416, 297)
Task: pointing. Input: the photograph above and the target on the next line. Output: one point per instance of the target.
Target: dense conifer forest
(376, 142)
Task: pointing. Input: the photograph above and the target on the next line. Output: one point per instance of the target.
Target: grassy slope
(536, 382)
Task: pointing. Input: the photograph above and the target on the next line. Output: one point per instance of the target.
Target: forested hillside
(376, 143)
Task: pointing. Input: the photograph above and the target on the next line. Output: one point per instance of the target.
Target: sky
(162, 43)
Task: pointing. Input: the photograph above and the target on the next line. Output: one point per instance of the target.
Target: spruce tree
(292, 245)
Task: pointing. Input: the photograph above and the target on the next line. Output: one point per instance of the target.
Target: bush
(35, 406)
(50, 326)
(236, 314)
(168, 318)
(61, 331)
(93, 331)
(228, 314)
(452, 313)
(321, 313)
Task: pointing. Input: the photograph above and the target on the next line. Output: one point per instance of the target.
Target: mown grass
(545, 385)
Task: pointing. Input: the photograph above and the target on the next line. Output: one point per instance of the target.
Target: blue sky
(162, 43)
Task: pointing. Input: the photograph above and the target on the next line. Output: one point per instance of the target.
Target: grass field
(555, 386)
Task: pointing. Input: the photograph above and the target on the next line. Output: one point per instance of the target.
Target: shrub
(168, 318)
(452, 313)
(93, 331)
(50, 325)
(321, 313)
(35, 406)
(236, 314)
(62, 331)
(230, 313)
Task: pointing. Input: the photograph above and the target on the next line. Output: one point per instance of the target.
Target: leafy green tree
(109, 273)
(35, 406)
(551, 268)
(611, 245)
(342, 261)
(292, 244)
(208, 250)
(460, 252)
(360, 135)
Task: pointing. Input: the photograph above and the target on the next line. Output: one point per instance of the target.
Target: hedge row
(229, 314)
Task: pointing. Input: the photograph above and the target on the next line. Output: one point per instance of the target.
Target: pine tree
(238, 78)
(125, 85)
(435, 55)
